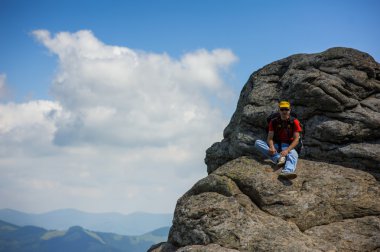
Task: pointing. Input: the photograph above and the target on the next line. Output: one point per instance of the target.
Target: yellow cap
(284, 104)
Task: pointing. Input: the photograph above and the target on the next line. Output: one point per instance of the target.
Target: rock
(162, 247)
(336, 95)
(333, 204)
(322, 190)
(208, 248)
(362, 234)
(167, 247)
(243, 205)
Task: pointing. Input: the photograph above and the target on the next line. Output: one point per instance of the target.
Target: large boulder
(336, 95)
(333, 204)
(243, 205)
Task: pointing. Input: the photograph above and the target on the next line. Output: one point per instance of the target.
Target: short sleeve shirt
(283, 134)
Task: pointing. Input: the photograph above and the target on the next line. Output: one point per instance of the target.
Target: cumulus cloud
(27, 128)
(140, 98)
(123, 121)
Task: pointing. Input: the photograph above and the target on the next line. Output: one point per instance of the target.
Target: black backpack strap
(276, 124)
(290, 128)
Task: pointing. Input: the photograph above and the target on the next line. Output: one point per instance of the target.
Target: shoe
(281, 161)
(288, 175)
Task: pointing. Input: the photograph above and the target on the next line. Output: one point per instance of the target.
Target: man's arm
(270, 142)
(296, 137)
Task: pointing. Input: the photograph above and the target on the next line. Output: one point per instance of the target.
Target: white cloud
(27, 128)
(128, 129)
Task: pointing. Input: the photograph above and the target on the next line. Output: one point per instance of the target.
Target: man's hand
(284, 153)
(272, 151)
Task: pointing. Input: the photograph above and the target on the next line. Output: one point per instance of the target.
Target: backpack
(277, 127)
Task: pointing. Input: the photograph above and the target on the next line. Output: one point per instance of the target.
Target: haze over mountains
(14, 238)
(130, 224)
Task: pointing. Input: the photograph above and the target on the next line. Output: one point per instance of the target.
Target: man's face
(284, 111)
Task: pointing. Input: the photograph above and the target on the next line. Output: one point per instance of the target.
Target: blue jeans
(291, 158)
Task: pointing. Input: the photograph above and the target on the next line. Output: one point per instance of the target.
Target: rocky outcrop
(336, 95)
(333, 204)
(244, 206)
(167, 247)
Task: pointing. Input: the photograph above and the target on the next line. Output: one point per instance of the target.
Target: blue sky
(82, 82)
(258, 32)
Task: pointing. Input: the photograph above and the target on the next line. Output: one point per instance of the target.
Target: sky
(109, 106)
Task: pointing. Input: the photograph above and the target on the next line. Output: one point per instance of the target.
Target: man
(283, 137)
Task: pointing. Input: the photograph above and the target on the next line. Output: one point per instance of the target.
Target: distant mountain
(76, 239)
(131, 224)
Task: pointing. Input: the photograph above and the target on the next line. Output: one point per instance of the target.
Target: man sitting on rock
(283, 137)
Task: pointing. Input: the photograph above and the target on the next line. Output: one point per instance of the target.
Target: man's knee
(259, 143)
(294, 153)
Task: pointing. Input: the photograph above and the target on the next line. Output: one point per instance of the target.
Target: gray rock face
(360, 234)
(243, 205)
(167, 247)
(336, 95)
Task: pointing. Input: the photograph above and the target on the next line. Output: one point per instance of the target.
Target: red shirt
(283, 134)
